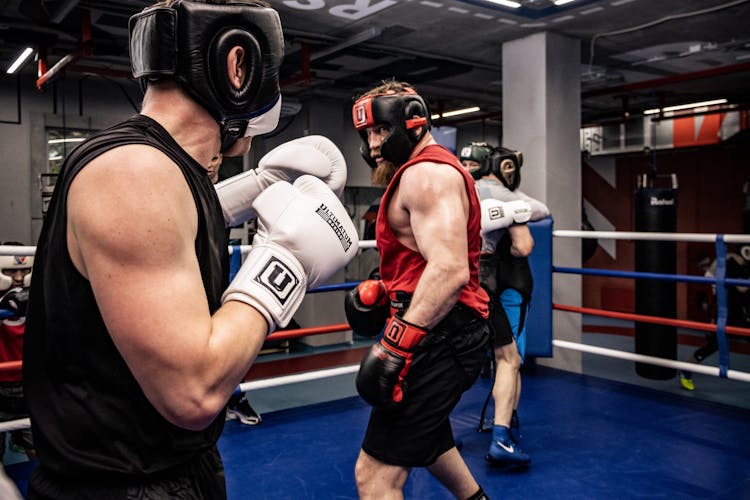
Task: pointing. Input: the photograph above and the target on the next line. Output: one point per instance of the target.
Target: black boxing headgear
(398, 112)
(478, 152)
(189, 41)
(511, 178)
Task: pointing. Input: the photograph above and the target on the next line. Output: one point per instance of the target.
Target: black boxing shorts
(446, 363)
(501, 330)
(200, 479)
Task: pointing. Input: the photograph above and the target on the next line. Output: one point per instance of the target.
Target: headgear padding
(398, 112)
(14, 262)
(511, 180)
(189, 41)
(478, 152)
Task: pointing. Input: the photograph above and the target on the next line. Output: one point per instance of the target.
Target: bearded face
(383, 174)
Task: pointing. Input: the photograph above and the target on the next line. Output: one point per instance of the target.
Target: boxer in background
(505, 275)
(15, 277)
(738, 307)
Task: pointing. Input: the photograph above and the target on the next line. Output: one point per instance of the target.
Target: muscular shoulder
(133, 163)
(131, 195)
(426, 182)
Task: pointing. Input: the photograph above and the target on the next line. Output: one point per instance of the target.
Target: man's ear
(236, 67)
(417, 130)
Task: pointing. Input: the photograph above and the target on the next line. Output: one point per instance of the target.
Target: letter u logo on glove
(496, 213)
(395, 332)
(278, 279)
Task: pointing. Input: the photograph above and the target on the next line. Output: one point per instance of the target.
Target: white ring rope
(626, 235)
(560, 233)
(682, 365)
(297, 377)
(14, 425)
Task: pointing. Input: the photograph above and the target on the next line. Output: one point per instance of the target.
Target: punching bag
(655, 211)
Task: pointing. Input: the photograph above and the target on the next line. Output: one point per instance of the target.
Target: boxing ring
(588, 437)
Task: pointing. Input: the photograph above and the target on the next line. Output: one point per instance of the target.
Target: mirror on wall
(60, 142)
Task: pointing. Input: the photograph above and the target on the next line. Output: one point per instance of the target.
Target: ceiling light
(434, 117)
(20, 60)
(505, 3)
(685, 106)
(67, 139)
(563, 2)
(460, 111)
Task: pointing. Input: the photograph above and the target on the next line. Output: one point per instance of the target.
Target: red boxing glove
(380, 380)
(366, 308)
(372, 293)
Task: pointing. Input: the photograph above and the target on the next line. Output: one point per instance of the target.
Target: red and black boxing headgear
(398, 112)
(189, 41)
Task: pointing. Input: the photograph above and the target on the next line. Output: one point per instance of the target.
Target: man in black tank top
(135, 338)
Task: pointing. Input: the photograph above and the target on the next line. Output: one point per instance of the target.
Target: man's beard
(383, 174)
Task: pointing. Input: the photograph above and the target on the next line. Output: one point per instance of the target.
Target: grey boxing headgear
(189, 41)
(14, 262)
(495, 161)
(478, 152)
(397, 111)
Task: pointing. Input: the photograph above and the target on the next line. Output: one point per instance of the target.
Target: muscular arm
(131, 232)
(434, 198)
(522, 243)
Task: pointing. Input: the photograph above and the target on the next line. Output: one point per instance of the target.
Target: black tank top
(512, 272)
(90, 418)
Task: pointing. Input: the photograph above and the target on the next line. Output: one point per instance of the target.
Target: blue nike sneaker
(504, 451)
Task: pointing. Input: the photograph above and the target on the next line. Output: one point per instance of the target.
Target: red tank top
(11, 346)
(401, 267)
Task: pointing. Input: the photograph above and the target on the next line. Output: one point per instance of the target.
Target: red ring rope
(15, 366)
(708, 327)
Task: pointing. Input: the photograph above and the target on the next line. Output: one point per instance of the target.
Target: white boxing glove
(304, 236)
(498, 214)
(312, 155)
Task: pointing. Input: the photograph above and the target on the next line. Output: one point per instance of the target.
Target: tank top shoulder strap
(139, 129)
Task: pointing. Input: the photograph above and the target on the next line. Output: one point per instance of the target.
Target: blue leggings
(516, 308)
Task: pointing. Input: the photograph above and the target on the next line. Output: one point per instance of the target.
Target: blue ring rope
(655, 276)
(721, 305)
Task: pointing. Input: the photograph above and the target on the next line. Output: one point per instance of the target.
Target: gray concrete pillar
(542, 118)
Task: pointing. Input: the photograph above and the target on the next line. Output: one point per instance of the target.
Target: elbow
(192, 413)
(459, 276)
(522, 250)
